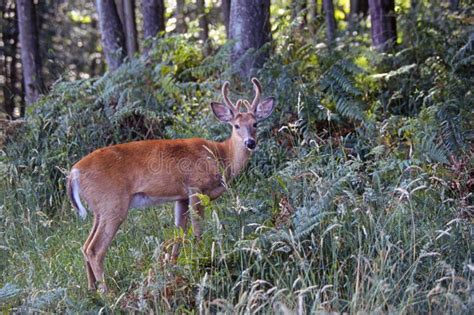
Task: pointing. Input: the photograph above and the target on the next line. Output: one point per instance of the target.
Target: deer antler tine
(225, 92)
(258, 90)
(247, 105)
(238, 105)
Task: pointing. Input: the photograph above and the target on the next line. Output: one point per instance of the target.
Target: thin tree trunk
(153, 12)
(328, 7)
(181, 26)
(225, 8)
(10, 41)
(358, 9)
(130, 27)
(204, 26)
(113, 39)
(250, 29)
(30, 57)
(384, 24)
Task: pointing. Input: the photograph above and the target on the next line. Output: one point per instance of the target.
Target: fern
(307, 218)
(338, 84)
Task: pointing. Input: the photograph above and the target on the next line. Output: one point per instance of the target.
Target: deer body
(143, 173)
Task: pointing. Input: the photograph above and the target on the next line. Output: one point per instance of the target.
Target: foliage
(358, 199)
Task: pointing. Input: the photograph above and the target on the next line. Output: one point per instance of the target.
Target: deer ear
(222, 112)
(265, 108)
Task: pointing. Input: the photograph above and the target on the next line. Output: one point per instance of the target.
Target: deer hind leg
(100, 242)
(181, 222)
(90, 274)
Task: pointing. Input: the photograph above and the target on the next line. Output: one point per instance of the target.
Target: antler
(227, 102)
(258, 90)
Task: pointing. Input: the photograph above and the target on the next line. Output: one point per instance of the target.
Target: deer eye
(237, 126)
(255, 125)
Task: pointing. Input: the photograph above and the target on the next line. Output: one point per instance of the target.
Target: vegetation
(359, 198)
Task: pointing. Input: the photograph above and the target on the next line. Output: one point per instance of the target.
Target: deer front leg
(197, 215)
(181, 221)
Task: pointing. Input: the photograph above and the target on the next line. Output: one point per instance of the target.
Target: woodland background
(358, 200)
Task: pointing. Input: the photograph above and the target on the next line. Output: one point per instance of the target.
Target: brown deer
(143, 173)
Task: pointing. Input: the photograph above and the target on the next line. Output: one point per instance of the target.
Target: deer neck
(235, 155)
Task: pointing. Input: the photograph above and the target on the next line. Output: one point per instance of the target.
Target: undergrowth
(359, 198)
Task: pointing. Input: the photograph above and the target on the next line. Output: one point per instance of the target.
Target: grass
(399, 254)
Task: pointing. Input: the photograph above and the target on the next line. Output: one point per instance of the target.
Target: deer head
(244, 124)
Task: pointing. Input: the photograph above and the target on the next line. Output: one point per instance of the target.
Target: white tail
(142, 173)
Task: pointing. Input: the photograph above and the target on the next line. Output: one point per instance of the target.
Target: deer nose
(250, 143)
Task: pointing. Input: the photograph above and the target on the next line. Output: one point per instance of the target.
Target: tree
(130, 27)
(384, 24)
(225, 8)
(203, 26)
(328, 7)
(249, 27)
(113, 39)
(153, 12)
(30, 56)
(8, 49)
(359, 7)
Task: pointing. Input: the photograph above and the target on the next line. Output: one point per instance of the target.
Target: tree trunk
(250, 29)
(384, 24)
(10, 43)
(181, 26)
(113, 39)
(225, 7)
(203, 26)
(130, 27)
(30, 57)
(153, 17)
(358, 9)
(328, 7)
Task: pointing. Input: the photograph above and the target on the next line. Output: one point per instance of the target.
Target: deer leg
(99, 244)
(90, 274)
(197, 215)
(181, 221)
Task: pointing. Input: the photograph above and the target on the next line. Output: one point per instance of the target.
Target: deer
(138, 174)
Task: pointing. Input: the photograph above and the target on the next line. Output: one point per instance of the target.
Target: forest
(358, 198)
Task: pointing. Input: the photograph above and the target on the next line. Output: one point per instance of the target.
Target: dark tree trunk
(250, 29)
(359, 7)
(10, 42)
(181, 26)
(30, 57)
(130, 27)
(225, 7)
(358, 10)
(113, 40)
(384, 24)
(153, 12)
(203, 26)
(328, 7)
